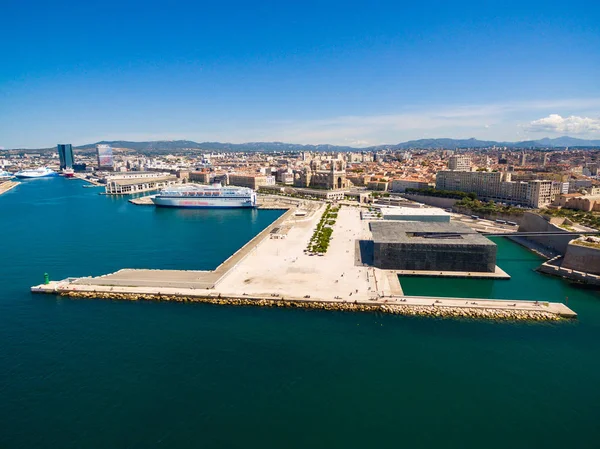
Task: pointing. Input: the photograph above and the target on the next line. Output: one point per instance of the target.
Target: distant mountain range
(166, 146)
(452, 144)
(171, 145)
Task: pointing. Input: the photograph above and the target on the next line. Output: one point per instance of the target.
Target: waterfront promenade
(271, 271)
(8, 185)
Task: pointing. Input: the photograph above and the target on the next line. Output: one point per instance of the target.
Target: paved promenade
(271, 269)
(8, 185)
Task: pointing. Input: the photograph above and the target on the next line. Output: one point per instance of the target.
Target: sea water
(116, 374)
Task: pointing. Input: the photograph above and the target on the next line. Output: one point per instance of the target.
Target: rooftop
(130, 182)
(426, 233)
(413, 211)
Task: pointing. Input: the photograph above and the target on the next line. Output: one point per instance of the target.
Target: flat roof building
(424, 214)
(496, 186)
(251, 181)
(459, 163)
(400, 185)
(137, 182)
(434, 247)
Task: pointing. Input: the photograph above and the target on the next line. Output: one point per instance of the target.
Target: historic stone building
(329, 175)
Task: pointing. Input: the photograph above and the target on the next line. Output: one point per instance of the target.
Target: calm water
(102, 374)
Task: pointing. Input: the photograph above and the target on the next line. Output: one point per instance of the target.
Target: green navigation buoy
(46, 278)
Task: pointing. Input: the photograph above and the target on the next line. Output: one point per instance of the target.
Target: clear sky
(349, 73)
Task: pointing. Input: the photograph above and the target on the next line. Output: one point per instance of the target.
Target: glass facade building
(65, 154)
(105, 156)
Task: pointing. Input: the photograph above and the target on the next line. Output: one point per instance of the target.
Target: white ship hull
(200, 197)
(35, 173)
(203, 202)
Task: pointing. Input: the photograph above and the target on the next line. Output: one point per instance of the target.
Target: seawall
(394, 303)
(431, 200)
(553, 267)
(582, 258)
(533, 222)
(438, 310)
(493, 216)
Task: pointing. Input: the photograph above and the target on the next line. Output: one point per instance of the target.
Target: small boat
(30, 173)
(5, 174)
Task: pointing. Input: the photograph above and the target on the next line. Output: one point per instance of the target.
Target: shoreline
(534, 247)
(8, 186)
(434, 310)
(275, 265)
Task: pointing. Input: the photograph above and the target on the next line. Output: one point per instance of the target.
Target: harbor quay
(7, 185)
(275, 269)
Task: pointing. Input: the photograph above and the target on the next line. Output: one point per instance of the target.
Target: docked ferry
(68, 173)
(199, 196)
(41, 172)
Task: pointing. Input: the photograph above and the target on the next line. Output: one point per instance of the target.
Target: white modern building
(426, 214)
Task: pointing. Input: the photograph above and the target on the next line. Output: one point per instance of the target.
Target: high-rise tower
(65, 154)
(105, 157)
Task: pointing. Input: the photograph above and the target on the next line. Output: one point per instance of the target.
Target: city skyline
(340, 74)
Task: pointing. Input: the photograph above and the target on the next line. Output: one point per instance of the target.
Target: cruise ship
(41, 172)
(199, 196)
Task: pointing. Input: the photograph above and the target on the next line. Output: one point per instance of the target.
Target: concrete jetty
(8, 185)
(88, 180)
(275, 269)
(408, 305)
(142, 201)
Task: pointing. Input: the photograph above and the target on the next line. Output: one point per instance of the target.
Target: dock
(142, 201)
(88, 180)
(279, 272)
(499, 273)
(8, 185)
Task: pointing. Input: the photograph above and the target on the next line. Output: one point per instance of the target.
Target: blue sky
(350, 73)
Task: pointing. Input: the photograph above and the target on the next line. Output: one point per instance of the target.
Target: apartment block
(251, 181)
(400, 185)
(459, 163)
(497, 186)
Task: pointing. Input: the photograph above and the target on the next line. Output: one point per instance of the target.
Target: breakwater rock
(405, 309)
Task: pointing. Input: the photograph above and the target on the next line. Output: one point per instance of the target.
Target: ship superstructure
(201, 196)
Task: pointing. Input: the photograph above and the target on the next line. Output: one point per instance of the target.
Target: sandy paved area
(8, 185)
(282, 267)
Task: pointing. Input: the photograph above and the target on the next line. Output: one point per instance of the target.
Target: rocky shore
(407, 310)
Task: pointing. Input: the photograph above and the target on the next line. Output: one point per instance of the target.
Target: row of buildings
(498, 186)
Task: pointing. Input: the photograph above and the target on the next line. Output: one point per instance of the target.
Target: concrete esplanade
(275, 270)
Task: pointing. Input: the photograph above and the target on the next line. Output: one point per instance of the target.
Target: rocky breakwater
(406, 310)
(472, 312)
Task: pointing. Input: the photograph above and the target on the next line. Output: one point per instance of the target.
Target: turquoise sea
(108, 374)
